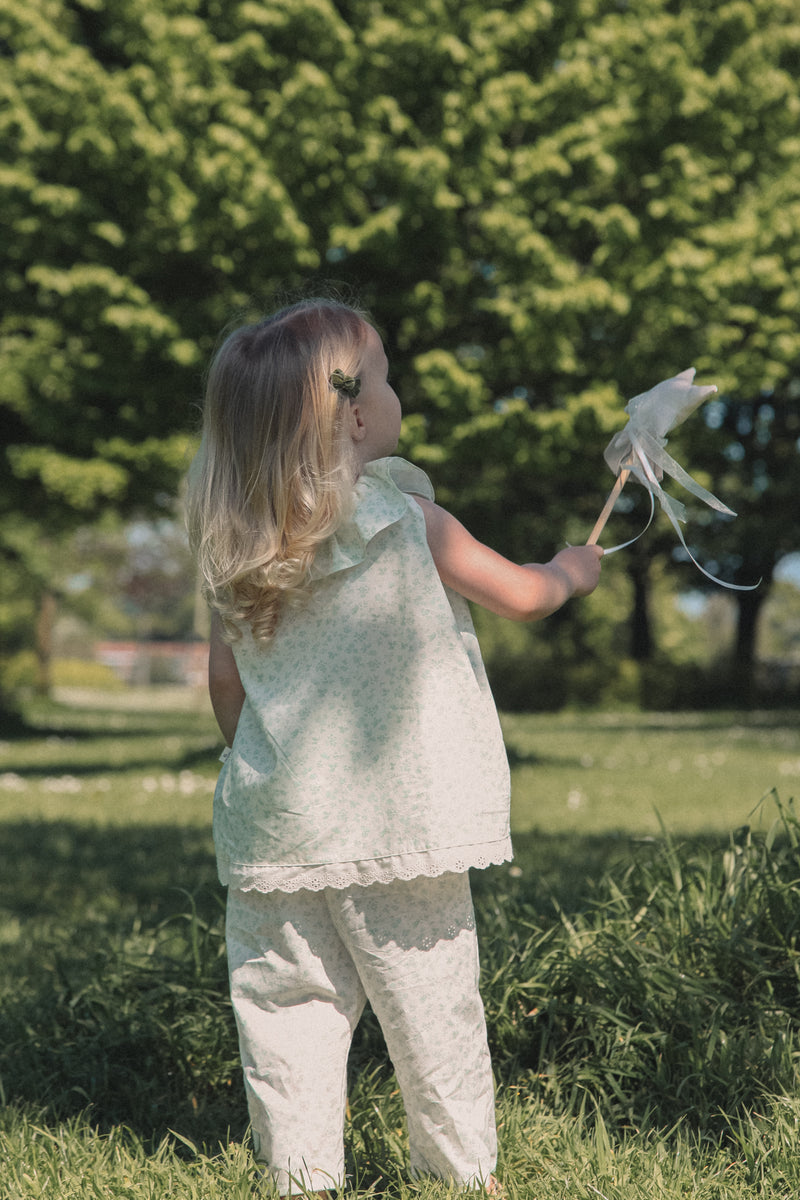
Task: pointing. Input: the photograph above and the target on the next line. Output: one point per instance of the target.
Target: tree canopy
(547, 207)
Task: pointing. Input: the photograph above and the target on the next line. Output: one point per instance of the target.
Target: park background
(546, 208)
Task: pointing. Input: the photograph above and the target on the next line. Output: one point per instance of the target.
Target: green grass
(641, 981)
(596, 772)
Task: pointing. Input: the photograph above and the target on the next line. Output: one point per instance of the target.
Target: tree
(547, 208)
(126, 222)
(760, 474)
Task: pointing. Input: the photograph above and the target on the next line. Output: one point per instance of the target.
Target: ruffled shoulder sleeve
(381, 501)
(405, 476)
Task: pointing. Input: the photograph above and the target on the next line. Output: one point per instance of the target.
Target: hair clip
(345, 383)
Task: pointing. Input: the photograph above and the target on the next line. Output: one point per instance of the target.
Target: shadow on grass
(67, 873)
(533, 758)
(82, 742)
(622, 721)
(114, 983)
(47, 718)
(70, 873)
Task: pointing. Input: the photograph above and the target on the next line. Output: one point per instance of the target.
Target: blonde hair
(275, 471)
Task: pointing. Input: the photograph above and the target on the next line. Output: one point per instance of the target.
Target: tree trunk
(44, 643)
(749, 606)
(641, 625)
(744, 655)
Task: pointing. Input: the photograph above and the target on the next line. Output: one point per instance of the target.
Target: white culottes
(302, 965)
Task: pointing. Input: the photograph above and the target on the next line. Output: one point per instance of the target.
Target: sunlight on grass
(601, 772)
(100, 761)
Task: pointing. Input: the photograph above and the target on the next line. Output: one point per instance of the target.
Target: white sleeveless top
(368, 748)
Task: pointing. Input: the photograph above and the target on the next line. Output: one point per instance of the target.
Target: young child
(366, 772)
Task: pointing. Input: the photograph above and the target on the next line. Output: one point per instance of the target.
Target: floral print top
(368, 748)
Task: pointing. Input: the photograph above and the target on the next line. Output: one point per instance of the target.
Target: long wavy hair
(274, 474)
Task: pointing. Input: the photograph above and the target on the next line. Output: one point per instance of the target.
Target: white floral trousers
(302, 966)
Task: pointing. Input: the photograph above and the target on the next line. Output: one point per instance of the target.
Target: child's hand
(581, 565)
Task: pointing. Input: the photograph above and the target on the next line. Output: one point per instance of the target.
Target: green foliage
(131, 1028)
(581, 657)
(547, 207)
(781, 627)
(20, 673)
(673, 997)
(76, 672)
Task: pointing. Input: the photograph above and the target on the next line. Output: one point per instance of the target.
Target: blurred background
(545, 207)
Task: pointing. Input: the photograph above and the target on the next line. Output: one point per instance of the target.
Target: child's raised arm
(522, 593)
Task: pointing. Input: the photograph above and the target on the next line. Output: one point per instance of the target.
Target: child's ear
(356, 426)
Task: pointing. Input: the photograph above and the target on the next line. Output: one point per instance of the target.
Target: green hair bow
(345, 383)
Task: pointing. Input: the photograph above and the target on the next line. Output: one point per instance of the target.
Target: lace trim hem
(363, 872)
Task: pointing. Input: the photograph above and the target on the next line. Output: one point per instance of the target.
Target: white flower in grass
(11, 782)
(575, 800)
(62, 783)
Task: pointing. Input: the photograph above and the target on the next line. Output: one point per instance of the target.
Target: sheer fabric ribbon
(640, 449)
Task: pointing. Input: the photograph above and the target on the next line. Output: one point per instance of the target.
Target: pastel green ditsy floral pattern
(369, 747)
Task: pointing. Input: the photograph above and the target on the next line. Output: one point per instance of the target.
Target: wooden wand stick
(613, 495)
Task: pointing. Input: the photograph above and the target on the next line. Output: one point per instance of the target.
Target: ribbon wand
(639, 450)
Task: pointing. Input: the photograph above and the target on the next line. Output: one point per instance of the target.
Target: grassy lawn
(698, 772)
(641, 990)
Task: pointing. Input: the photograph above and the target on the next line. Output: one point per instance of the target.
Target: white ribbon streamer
(639, 448)
(624, 545)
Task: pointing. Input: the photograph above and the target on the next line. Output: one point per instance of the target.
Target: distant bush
(76, 672)
(20, 672)
(540, 668)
